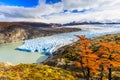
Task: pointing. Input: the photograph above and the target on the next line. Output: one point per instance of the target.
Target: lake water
(8, 52)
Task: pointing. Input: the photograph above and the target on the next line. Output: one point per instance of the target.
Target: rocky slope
(16, 32)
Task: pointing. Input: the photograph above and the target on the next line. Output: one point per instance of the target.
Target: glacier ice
(50, 44)
(46, 45)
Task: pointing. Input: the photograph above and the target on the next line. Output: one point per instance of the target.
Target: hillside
(34, 72)
(17, 31)
(66, 56)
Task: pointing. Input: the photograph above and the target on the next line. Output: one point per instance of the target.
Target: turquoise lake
(8, 53)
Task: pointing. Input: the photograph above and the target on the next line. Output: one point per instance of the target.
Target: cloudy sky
(60, 11)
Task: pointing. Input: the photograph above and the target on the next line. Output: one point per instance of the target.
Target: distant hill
(87, 23)
(33, 24)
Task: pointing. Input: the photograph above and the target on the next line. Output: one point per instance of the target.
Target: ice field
(50, 44)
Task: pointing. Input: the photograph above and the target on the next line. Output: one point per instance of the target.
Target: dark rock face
(11, 32)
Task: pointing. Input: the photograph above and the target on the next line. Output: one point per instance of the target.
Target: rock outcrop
(12, 35)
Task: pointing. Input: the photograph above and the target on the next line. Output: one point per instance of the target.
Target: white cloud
(2, 16)
(100, 10)
(87, 4)
(18, 13)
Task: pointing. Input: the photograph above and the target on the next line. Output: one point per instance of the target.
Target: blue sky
(60, 11)
(52, 1)
(26, 3)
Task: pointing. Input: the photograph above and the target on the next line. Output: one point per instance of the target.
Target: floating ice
(50, 44)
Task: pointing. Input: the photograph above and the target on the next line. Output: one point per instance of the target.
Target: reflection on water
(8, 53)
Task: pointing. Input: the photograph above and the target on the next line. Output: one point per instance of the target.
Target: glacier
(50, 44)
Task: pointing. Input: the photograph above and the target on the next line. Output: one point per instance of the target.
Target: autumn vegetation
(34, 72)
(95, 60)
(87, 60)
